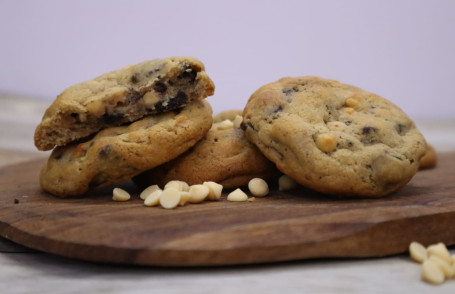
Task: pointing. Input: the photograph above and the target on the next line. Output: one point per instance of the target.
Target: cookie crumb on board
(437, 263)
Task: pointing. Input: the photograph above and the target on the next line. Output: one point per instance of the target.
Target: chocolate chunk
(75, 116)
(368, 130)
(111, 118)
(277, 109)
(243, 126)
(287, 91)
(135, 78)
(188, 73)
(133, 97)
(105, 151)
(179, 100)
(159, 87)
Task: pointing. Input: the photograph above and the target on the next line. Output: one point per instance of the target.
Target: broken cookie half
(122, 96)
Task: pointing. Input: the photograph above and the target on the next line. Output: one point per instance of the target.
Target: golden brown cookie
(122, 96)
(430, 159)
(118, 153)
(332, 137)
(223, 156)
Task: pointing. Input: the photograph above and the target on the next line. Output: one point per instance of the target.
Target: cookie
(122, 96)
(430, 159)
(224, 156)
(118, 153)
(332, 137)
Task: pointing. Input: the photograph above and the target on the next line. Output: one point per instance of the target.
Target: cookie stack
(150, 122)
(122, 123)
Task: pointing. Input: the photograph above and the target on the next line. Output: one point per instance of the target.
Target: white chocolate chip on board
(215, 190)
(237, 195)
(179, 185)
(258, 187)
(170, 198)
(198, 193)
(147, 191)
(120, 195)
(153, 199)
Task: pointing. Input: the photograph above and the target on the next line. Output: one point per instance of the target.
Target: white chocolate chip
(285, 183)
(432, 273)
(153, 198)
(184, 197)
(198, 193)
(258, 187)
(120, 195)
(443, 265)
(224, 125)
(326, 142)
(418, 252)
(147, 191)
(238, 121)
(215, 190)
(440, 250)
(237, 195)
(179, 185)
(170, 198)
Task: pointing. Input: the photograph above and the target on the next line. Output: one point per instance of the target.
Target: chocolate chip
(105, 151)
(159, 87)
(368, 130)
(153, 71)
(243, 126)
(188, 73)
(111, 118)
(179, 100)
(135, 78)
(16, 201)
(287, 91)
(133, 97)
(277, 109)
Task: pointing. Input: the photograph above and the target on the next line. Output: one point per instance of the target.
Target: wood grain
(282, 226)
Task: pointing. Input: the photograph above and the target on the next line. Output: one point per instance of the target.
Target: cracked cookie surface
(118, 153)
(334, 138)
(122, 96)
(223, 156)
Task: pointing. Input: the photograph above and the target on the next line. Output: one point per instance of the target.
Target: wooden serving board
(282, 226)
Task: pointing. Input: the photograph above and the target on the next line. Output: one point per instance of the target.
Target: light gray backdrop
(401, 49)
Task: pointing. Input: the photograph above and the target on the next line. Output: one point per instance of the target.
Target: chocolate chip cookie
(122, 96)
(334, 138)
(430, 159)
(119, 153)
(224, 156)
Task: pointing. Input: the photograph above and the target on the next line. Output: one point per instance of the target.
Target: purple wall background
(402, 50)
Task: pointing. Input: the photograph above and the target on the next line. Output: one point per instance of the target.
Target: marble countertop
(23, 270)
